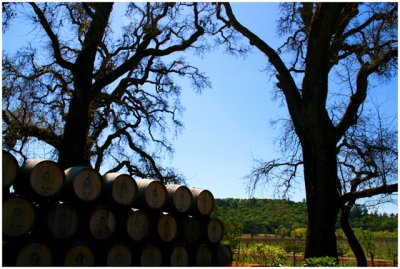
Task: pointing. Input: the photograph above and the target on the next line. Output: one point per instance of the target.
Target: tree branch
(143, 51)
(287, 172)
(349, 117)
(145, 156)
(286, 82)
(384, 189)
(53, 38)
(132, 170)
(95, 33)
(25, 130)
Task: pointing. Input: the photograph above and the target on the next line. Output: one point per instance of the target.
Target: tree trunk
(321, 184)
(351, 238)
(322, 213)
(74, 151)
(75, 147)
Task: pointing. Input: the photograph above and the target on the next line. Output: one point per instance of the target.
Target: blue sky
(228, 125)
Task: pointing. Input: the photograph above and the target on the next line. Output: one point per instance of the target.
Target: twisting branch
(283, 173)
(105, 97)
(387, 189)
(349, 117)
(54, 40)
(286, 82)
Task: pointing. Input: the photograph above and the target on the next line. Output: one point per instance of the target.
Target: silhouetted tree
(98, 92)
(349, 44)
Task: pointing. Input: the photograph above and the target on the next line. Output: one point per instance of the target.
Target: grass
(385, 251)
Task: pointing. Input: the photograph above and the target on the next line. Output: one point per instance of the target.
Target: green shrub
(268, 255)
(320, 262)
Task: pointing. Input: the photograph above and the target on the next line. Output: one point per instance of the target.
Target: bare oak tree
(349, 43)
(97, 94)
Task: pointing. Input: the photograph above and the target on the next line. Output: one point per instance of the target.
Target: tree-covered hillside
(282, 217)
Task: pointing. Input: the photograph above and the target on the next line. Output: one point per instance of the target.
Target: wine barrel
(86, 182)
(191, 229)
(151, 194)
(34, 254)
(138, 225)
(180, 198)
(179, 256)
(214, 230)
(63, 220)
(80, 254)
(167, 228)
(201, 256)
(18, 216)
(119, 255)
(223, 255)
(10, 169)
(203, 201)
(44, 177)
(102, 223)
(150, 255)
(122, 187)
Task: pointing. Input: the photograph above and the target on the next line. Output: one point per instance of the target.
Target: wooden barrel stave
(63, 220)
(34, 254)
(138, 225)
(121, 187)
(178, 256)
(214, 230)
(10, 168)
(201, 256)
(167, 227)
(119, 255)
(102, 223)
(203, 202)
(157, 238)
(86, 182)
(180, 198)
(223, 255)
(150, 255)
(152, 194)
(19, 217)
(191, 229)
(79, 254)
(38, 177)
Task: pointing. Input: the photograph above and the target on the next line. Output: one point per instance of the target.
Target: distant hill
(268, 216)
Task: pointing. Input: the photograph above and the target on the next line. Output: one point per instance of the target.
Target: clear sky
(229, 124)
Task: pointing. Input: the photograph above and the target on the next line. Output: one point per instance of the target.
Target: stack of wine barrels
(77, 217)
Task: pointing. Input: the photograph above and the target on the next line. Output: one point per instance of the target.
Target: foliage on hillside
(285, 218)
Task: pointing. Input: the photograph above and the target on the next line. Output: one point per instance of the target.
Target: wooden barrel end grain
(122, 187)
(151, 194)
(86, 182)
(18, 216)
(34, 254)
(138, 225)
(203, 201)
(180, 198)
(44, 177)
(119, 255)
